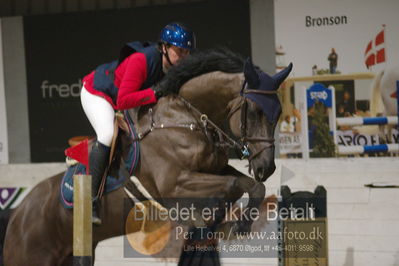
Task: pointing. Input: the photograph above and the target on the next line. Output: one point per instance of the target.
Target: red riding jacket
(130, 76)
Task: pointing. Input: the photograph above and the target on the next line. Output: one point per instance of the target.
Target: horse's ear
(282, 75)
(250, 74)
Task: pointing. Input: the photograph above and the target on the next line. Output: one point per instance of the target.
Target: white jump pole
(368, 149)
(363, 121)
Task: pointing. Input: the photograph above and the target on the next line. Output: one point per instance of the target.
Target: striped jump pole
(82, 224)
(363, 121)
(368, 149)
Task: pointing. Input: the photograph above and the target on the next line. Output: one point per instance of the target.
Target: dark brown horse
(183, 154)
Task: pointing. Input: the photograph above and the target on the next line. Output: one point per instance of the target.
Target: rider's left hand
(159, 91)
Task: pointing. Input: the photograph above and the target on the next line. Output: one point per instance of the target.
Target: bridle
(245, 139)
(224, 140)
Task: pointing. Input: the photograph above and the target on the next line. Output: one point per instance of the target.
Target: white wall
(262, 34)
(3, 114)
(308, 46)
(16, 91)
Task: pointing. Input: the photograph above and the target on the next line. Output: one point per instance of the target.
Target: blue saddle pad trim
(112, 183)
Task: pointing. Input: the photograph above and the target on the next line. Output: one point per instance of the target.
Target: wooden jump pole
(82, 221)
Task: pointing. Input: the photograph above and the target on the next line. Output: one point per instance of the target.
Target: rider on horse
(127, 83)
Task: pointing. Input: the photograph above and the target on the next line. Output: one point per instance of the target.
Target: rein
(206, 125)
(153, 126)
(224, 140)
(231, 143)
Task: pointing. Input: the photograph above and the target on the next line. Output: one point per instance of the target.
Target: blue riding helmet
(178, 35)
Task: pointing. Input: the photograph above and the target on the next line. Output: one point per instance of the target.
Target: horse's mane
(202, 62)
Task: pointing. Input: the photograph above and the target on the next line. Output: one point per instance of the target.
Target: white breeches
(100, 114)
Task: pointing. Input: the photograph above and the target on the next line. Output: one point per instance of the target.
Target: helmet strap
(166, 54)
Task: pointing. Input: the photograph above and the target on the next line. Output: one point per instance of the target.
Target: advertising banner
(290, 143)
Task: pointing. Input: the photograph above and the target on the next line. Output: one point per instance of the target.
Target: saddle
(119, 124)
(115, 175)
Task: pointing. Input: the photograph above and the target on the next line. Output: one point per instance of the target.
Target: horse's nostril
(260, 172)
(263, 173)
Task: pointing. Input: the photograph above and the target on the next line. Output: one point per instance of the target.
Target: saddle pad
(112, 183)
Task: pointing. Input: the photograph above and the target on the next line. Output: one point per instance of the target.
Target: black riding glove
(159, 91)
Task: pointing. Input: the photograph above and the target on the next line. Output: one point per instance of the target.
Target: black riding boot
(99, 157)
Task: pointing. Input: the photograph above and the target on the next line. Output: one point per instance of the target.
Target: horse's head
(260, 111)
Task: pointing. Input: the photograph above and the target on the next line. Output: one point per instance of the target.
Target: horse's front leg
(206, 190)
(228, 188)
(244, 183)
(256, 192)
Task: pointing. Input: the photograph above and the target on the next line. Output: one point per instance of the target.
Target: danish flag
(375, 50)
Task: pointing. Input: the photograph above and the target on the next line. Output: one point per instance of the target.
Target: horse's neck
(212, 92)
